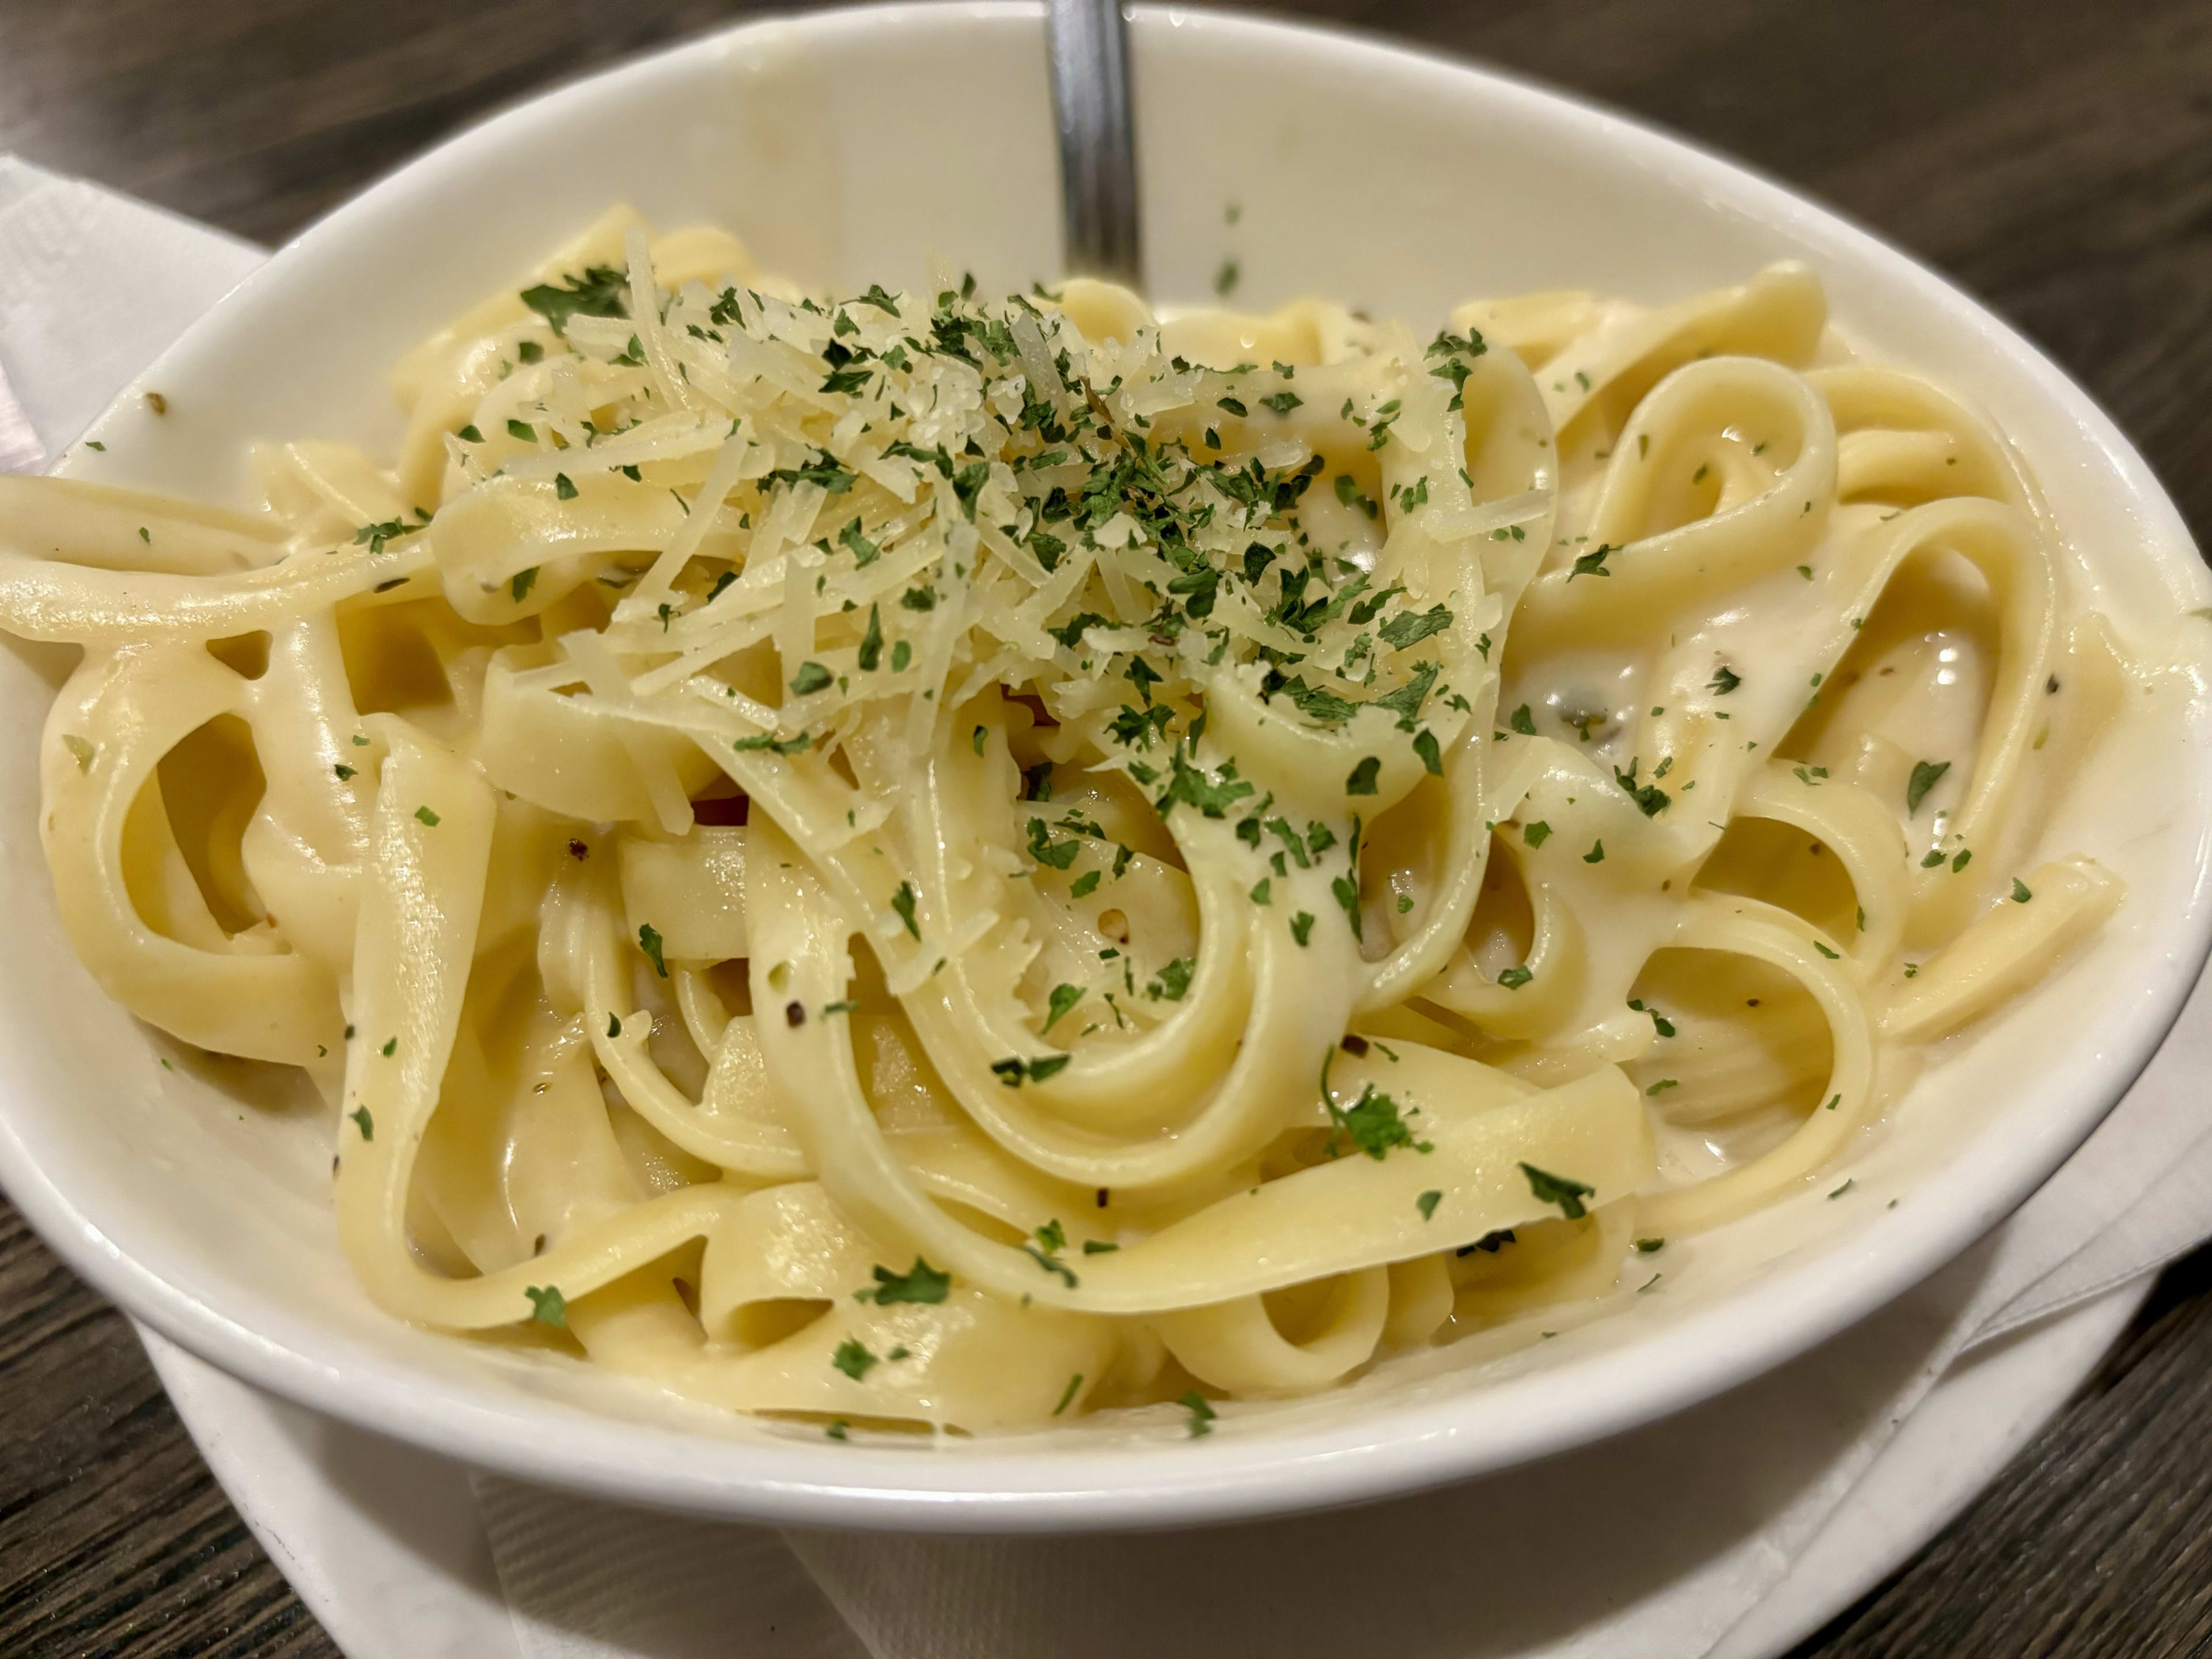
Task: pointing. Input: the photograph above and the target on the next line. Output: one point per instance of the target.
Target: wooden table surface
(2053, 156)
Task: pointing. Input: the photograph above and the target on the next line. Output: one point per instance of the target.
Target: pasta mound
(930, 860)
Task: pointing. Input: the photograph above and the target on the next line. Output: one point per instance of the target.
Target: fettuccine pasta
(913, 860)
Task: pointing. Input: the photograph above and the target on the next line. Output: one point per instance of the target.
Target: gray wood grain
(2056, 157)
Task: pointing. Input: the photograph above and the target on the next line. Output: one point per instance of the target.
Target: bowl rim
(1396, 1450)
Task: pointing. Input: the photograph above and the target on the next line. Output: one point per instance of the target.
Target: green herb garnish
(600, 291)
(1925, 776)
(1558, 1189)
(547, 1305)
(920, 1283)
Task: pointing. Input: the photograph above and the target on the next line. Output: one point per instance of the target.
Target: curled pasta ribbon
(1155, 1076)
(1902, 438)
(1862, 833)
(736, 1126)
(132, 908)
(1598, 361)
(1508, 462)
(1452, 881)
(1767, 520)
(2001, 543)
(1554, 966)
(1774, 937)
(1237, 1347)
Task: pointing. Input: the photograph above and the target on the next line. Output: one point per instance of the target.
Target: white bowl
(846, 146)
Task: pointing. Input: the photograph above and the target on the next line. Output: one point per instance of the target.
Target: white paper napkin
(92, 286)
(1657, 1544)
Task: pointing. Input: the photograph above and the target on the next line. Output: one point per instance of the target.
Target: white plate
(385, 1545)
(844, 144)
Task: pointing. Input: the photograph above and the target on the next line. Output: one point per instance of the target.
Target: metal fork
(1088, 44)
